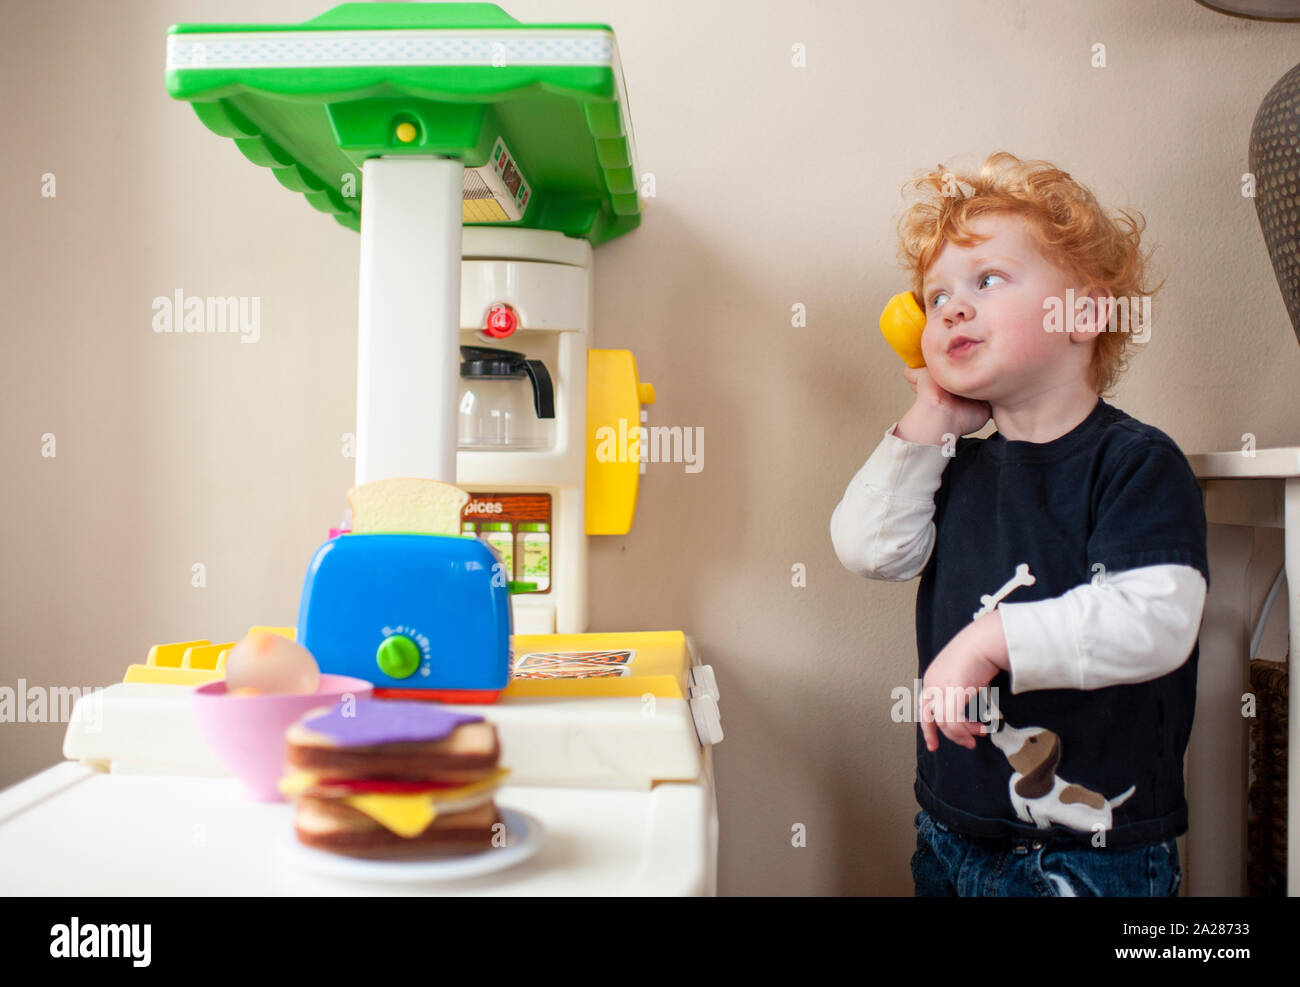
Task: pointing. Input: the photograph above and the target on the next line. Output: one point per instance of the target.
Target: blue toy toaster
(421, 616)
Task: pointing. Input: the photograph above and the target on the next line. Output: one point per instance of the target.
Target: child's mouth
(963, 348)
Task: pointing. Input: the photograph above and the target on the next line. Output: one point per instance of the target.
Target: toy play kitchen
(480, 159)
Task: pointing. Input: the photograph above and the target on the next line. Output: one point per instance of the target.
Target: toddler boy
(1062, 558)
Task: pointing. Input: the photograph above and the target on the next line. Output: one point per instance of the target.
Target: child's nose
(955, 308)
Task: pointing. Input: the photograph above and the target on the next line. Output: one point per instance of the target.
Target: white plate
(524, 835)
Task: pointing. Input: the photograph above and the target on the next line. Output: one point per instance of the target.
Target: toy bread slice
(403, 741)
(338, 828)
(470, 755)
(407, 504)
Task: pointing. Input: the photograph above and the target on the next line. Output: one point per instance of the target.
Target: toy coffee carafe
(507, 401)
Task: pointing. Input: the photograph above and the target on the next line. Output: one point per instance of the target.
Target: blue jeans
(949, 864)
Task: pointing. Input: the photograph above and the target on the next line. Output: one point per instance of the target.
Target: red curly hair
(1073, 230)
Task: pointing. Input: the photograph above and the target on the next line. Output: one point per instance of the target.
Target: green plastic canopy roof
(539, 111)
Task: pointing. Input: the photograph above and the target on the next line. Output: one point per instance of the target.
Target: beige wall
(775, 186)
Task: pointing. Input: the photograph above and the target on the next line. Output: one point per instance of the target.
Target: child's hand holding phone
(938, 412)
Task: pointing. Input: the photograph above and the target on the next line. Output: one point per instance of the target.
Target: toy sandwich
(376, 778)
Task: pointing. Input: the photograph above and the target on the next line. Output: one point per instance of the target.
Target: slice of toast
(340, 829)
(437, 761)
(400, 740)
(407, 504)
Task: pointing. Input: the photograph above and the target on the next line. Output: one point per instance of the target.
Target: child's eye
(941, 297)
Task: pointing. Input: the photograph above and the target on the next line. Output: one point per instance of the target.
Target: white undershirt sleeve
(1133, 626)
(883, 527)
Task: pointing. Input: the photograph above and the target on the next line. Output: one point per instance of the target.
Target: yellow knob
(406, 132)
(902, 323)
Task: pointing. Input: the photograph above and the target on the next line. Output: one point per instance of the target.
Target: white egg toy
(268, 663)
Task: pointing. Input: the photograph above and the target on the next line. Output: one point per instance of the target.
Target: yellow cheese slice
(410, 815)
(405, 815)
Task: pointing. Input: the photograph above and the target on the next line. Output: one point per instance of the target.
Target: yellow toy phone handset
(902, 323)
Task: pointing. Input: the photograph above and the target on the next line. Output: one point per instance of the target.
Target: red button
(501, 321)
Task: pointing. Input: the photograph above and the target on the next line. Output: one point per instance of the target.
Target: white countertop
(72, 830)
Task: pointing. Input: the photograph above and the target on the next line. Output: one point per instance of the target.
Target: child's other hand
(962, 415)
(967, 662)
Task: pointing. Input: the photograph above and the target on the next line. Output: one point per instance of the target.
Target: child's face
(993, 292)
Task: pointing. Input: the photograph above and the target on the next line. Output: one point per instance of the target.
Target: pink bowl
(247, 732)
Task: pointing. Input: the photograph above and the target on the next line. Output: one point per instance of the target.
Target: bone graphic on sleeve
(1021, 578)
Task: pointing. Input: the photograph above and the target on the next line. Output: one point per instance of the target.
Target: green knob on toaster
(398, 656)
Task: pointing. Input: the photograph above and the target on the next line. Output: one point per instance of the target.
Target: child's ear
(1092, 309)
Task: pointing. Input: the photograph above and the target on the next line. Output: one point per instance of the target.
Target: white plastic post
(408, 355)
